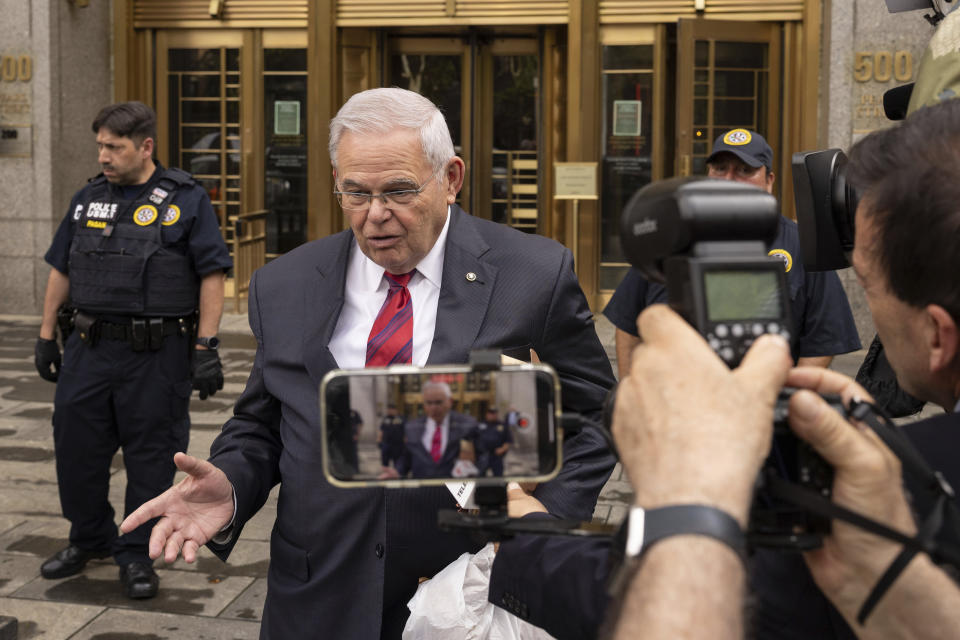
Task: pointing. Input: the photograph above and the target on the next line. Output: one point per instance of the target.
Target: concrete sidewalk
(208, 599)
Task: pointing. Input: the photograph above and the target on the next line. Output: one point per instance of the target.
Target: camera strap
(913, 463)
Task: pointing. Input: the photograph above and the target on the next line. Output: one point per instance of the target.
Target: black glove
(207, 372)
(45, 354)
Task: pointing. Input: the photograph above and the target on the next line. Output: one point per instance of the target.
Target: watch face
(210, 343)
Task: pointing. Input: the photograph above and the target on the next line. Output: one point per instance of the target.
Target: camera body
(707, 240)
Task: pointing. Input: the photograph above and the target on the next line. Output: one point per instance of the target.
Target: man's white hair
(433, 384)
(380, 111)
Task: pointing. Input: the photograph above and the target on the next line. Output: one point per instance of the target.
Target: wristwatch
(647, 527)
(210, 343)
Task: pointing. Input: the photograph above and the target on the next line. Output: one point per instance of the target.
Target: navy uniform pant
(491, 461)
(108, 398)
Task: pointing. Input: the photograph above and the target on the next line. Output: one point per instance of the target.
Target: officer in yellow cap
(823, 323)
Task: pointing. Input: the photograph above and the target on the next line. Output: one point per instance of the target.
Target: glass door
(232, 110)
(489, 91)
(285, 138)
(728, 76)
(199, 111)
(511, 192)
(629, 162)
(439, 69)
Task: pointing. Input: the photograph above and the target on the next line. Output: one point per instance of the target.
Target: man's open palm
(191, 512)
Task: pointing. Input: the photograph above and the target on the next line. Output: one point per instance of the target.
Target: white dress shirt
(431, 428)
(364, 295)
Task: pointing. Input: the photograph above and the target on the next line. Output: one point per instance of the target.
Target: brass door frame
(689, 32)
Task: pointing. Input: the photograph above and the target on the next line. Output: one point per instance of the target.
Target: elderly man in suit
(433, 440)
(415, 279)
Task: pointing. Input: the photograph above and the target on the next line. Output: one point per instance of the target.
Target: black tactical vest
(121, 267)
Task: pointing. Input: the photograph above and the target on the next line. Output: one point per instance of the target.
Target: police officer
(823, 323)
(492, 443)
(390, 437)
(140, 260)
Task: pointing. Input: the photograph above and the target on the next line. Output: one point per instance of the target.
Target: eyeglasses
(357, 201)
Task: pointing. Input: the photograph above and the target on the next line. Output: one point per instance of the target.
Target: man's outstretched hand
(191, 512)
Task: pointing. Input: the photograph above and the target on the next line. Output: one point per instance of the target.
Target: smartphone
(407, 426)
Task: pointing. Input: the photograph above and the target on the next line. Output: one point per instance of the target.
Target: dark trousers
(490, 461)
(390, 452)
(108, 398)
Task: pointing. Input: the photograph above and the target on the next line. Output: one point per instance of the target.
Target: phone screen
(439, 424)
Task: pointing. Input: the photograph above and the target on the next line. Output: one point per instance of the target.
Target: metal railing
(249, 250)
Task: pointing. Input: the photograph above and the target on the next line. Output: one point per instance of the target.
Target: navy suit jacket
(421, 463)
(331, 549)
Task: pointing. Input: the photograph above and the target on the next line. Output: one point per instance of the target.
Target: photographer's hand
(690, 430)
(868, 481)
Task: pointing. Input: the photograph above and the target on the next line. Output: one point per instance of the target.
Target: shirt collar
(431, 267)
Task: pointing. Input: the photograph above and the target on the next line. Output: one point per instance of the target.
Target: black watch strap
(649, 526)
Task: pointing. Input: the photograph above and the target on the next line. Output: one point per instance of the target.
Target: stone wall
(70, 79)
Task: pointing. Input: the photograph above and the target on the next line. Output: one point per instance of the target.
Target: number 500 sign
(882, 66)
(14, 68)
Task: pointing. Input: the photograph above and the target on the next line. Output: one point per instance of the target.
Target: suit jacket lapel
(323, 300)
(463, 297)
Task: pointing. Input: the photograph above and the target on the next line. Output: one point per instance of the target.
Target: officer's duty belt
(112, 331)
(141, 333)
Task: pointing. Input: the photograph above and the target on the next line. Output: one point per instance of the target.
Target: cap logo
(784, 255)
(737, 137)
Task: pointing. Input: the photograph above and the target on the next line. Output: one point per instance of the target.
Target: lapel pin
(471, 276)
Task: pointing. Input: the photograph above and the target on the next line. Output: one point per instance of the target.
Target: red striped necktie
(391, 338)
(436, 452)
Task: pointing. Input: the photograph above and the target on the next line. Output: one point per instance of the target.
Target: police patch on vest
(171, 215)
(78, 212)
(784, 255)
(101, 210)
(157, 195)
(738, 137)
(145, 214)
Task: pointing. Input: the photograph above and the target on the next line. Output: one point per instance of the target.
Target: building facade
(561, 109)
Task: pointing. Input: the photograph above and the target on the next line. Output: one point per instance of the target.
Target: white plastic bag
(453, 606)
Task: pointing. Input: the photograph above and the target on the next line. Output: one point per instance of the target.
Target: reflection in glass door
(203, 115)
(628, 100)
(514, 162)
(285, 148)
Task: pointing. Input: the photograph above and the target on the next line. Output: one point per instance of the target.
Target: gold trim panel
(634, 11)
(233, 13)
(351, 13)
